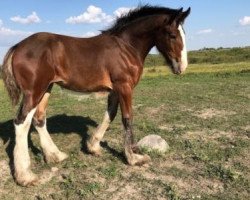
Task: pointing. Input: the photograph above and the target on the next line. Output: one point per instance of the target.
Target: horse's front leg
(125, 99)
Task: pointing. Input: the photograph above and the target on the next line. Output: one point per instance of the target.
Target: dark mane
(135, 14)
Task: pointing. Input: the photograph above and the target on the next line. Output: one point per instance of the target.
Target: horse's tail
(8, 77)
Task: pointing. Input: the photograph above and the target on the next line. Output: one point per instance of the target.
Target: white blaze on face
(184, 61)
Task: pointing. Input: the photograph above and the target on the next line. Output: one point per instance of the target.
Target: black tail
(9, 79)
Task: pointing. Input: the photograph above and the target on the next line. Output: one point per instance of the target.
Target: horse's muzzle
(177, 67)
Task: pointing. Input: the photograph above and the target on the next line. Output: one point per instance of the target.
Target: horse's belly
(86, 87)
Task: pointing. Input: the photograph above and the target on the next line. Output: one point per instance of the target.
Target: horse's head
(170, 41)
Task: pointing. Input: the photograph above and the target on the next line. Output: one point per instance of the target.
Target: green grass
(215, 69)
(203, 115)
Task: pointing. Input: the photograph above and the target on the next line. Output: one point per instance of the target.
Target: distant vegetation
(220, 55)
(206, 55)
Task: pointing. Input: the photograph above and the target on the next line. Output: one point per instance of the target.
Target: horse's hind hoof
(94, 149)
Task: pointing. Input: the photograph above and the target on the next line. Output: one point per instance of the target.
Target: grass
(219, 69)
(203, 115)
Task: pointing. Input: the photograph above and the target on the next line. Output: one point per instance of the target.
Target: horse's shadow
(55, 124)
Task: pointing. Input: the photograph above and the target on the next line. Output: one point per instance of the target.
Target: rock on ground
(154, 142)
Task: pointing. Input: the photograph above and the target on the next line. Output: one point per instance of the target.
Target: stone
(154, 142)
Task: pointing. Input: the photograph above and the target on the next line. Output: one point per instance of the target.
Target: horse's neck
(141, 40)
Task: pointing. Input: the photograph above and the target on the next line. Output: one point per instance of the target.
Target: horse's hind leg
(23, 174)
(50, 150)
(93, 143)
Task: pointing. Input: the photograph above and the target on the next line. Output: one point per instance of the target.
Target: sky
(211, 24)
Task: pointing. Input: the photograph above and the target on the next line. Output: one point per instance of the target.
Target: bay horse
(112, 61)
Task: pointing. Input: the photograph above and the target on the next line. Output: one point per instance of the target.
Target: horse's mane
(136, 14)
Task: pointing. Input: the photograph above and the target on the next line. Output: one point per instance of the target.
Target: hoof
(26, 179)
(139, 160)
(55, 157)
(94, 149)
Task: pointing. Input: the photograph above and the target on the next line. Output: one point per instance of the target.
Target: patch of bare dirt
(171, 127)
(83, 96)
(154, 110)
(184, 186)
(165, 127)
(211, 112)
(5, 175)
(127, 191)
(137, 106)
(188, 185)
(100, 95)
(177, 164)
(5, 171)
(212, 135)
(48, 175)
(247, 128)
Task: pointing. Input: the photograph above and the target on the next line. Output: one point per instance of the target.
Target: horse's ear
(181, 18)
(173, 17)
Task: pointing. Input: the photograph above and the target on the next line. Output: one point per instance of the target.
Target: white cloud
(9, 32)
(33, 18)
(204, 31)
(89, 34)
(122, 11)
(9, 37)
(245, 21)
(92, 15)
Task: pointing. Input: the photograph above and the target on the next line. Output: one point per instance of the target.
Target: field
(203, 115)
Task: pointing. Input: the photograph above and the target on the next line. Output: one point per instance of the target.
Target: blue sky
(212, 23)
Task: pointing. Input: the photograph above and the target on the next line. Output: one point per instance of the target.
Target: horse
(111, 61)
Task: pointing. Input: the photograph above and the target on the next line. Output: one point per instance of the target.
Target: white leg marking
(23, 174)
(94, 142)
(52, 153)
(134, 158)
(184, 60)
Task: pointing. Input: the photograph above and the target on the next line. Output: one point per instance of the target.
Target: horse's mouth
(176, 67)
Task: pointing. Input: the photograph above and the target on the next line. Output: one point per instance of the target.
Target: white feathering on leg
(94, 142)
(51, 151)
(23, 173)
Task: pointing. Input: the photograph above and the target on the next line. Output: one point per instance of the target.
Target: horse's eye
(172, 36)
